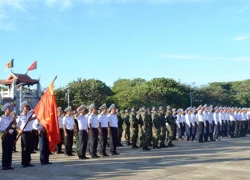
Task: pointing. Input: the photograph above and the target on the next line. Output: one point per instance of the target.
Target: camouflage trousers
(145, 137)
(134, 133)
(156, 136)
(127, 133)
(77, 142)
(170, 133)
(163, 134)
(119, 134)
(150, 134)
(140, 134)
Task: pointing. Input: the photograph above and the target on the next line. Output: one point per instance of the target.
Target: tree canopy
(127, 93)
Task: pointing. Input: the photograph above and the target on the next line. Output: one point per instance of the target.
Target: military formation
(90, 127)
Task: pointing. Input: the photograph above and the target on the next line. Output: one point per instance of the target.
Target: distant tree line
(127, 93)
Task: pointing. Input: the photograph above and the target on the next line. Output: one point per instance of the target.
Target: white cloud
(63, 4)
(204, 58)
(241, 37)
(179, 1)
(66, 4)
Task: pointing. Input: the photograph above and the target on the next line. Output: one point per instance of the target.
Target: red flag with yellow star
(46, 113)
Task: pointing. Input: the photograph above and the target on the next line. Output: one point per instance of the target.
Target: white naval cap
(68, 109)
(91, 107)
(24, 103)
(5, 107)
(59, 108)
(179, 110)
(13, 112)
(199, 108)
(80, 108)
(111, 107)
(174, 109)
(103, 106)
(189, 108)
(205, 106)
(211, 106)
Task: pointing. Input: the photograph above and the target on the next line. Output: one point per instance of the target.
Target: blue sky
(197, 41)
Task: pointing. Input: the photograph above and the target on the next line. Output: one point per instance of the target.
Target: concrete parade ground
(228, 159)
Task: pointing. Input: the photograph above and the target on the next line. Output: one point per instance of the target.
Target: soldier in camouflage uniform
(163, 127)
(170, 120)
(120, 130)
(140, 126)
(134, 123)
(127, 130)
(146, 118)
(156, 128)
(150, 126)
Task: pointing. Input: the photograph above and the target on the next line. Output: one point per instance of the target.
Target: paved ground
(227, 159)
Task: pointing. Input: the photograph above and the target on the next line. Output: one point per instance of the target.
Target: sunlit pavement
(227, 159)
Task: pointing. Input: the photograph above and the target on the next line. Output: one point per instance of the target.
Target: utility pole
(20, 86)
(68, 91)
(192, 98)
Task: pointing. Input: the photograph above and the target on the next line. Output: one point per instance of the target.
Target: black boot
(146, 149)
(135, 147)
(128, 143)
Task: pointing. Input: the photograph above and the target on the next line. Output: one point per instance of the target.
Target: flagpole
(54, 79)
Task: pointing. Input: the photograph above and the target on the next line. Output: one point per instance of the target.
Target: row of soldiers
(145, 127)
(209, 123)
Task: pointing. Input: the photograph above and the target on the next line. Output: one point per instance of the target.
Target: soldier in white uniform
(216, 124)
(194, 124)
(188, 123)
(206, 123)
(210, 117)
(43, 142)
(68, 129)
(103, 129)
(6, 122)
(113, 129)
(201, 121)
(93, 127)
(83, 131)
(220, 115)
(179, 124)
(25, 124)
(60, 120)
(232, 123)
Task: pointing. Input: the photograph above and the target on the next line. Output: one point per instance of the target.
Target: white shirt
(178, 119)
(231, 117)
(220, 117)
(5, 122)
(205, 113)
(113, 120)
(187, 119)
(37, 125)
(82, 122)
(194, 118)
(103, 119)
(210, 117)
(240, 117)
(69, 122)
(182, 118)
(60, 120)
(216, 118)
(236, 116)
(201, 117)
(93, 120)
(248, 115)
(21, 121)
